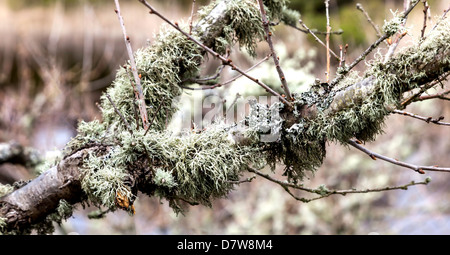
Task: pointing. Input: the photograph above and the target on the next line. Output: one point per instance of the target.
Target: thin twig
(249, 179)
(343, 54)
(233, 103)
(230, 80)
(419, 169)
(439, 21)
(248, 70)
(315, 31)
(407, 7)
(191, 18)
(424, 88)
(276, 59)
(377, 30)
(356, 61)
(140, 98)
(327, 38)
(317, 38)
(427, 120)
(206, 80)
(440, 95)
(425, 14)
(120, 114)
(324, 192)
(154, 116)
(368, 50)
(225, 61)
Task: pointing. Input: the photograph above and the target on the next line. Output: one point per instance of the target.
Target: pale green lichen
(5, 189)
(104, 177)
(2, 225)
(290, 17)
(164, 179)
(162, 67)
(245, 24)
(196, 167)
(202, 164)
(392, 26)
(62, 212)
(359, 110)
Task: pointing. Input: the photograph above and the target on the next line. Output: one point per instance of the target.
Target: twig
(154, 116)
(419, 169)
(249, 179)
(327, 38)
(191, 18)
(136, 117)
(356, 61)
(368, 50)
(230, 80)
(225, 61)
(118, 112)
(315, 31)
(438, 96)
(268, 38)
(377, 30)
(407, 7)
(206, 80)
(442, 18)
(427, 120)
(343, 54)
(423, 89)
(248, 70)
(140, 98)
(323, 192)
(233, 103)
(425, 12)
(317, 38)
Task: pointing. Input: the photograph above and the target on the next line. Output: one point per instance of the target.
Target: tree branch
(419, 169)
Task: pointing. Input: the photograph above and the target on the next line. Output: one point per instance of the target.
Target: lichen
(2, 225)
(62, 212)
(196, 167)
(164, 179)
(104, 177)
(5, 189)
(290, 17)
(391, 26)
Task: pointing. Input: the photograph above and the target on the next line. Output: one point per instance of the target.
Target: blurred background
(57, 57)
